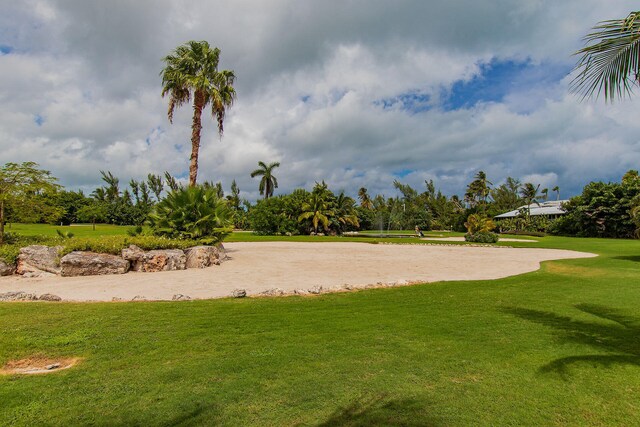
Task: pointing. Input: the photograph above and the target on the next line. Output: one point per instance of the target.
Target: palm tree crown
(268, 182)
(191, 71)
(610, 62)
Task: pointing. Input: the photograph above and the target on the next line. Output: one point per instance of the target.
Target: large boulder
(92, 264)
(6, 269)
(17, 296)
(38, 260)
(204, 256)
(156, 260)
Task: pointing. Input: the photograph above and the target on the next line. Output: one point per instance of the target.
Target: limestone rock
(222, 252)
(301, 292)
(161, 260)
(139, 298)
(275, 292)
(180, 297)
(17, 296)
(316, 290)
(6, 269)
(92, 264)
(134, 255)
(239, 293)
(49, 297)
(37, 260)
(203, 256)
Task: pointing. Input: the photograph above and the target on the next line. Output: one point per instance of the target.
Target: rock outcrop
(38, 260)
(203, 256)
(6, 269)
(156, 260)
(92, 264)
(17, 296)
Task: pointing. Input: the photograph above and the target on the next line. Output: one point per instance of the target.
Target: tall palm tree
(557, 190)
(529, 193)
(268, 182)
(610, 62)
(365, 200)
(544, 193)
(191, 71)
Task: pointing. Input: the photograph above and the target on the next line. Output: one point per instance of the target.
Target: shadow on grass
(634, 258)
(620, 336)
(379, 411)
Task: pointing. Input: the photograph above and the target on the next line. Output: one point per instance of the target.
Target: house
(550, 209)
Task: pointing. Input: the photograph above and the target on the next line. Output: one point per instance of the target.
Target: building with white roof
(550, 209)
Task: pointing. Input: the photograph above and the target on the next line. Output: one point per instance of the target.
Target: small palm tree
(544, 193)
(268, 182)
(192, 72)
(609, 63)
(316, 208)
(557, 190)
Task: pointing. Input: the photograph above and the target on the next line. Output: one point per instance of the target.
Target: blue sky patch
(413, 102)
(499, 78)
(5, 50)
(402, 173)
(38, 119)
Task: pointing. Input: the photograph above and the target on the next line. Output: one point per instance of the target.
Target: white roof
(553, 207)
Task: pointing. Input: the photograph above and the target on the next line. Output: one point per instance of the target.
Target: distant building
(550, 209)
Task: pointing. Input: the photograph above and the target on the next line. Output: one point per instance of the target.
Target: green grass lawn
(78, 230)
(560, 346)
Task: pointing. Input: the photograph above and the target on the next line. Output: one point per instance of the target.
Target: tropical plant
(268, 182)
(317, 209)
(557, 190)
(193, 213)
(610, 61)
(345, 213)
(529, 193)
(365, 200)
(477, 223)
(192, 71)
(544, 193)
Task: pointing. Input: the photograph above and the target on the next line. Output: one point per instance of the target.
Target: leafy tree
(317, 210)
(506, 197)
(95, 211)
(557, 190)
(156, 185)
(192, 71)
(609, 62)
(19, 183)
(345, 212)
(479, 190)
(171, 182)
(268, 182)
(477, 223)
(544, 193)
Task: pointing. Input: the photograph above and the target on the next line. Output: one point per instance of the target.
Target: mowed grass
(78, 230)
(560, 346)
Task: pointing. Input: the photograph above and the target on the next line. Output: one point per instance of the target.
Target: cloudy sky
(355, 92)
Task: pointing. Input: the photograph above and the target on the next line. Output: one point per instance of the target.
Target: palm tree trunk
(1, 222)
(196, 127)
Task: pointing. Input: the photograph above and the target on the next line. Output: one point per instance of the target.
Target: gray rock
(49, 297)
(36, 260)
(17, 296)
(222, 252)
(6, 269)
(315, 290)
(180, 297)
(139, 298)
(52, 366)
(202, 256)
(301, 292)
(92, 264)
(275, 292)
(239, 293)
(116, 299)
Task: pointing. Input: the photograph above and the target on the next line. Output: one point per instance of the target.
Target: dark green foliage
(192, 213)
(602, 210)
(481, 237)
(276, 215)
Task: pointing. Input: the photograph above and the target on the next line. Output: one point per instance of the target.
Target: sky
(358, 93)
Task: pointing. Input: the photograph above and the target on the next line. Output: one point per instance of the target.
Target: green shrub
(115, 244)
(482, 237)
(192, 213)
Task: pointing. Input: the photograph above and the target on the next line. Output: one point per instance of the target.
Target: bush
(192, 213)
(115, 244)
(482, 237)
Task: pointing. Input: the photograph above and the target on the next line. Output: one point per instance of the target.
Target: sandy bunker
(258, 267)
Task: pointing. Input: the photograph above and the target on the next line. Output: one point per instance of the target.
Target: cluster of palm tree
(332, 212)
